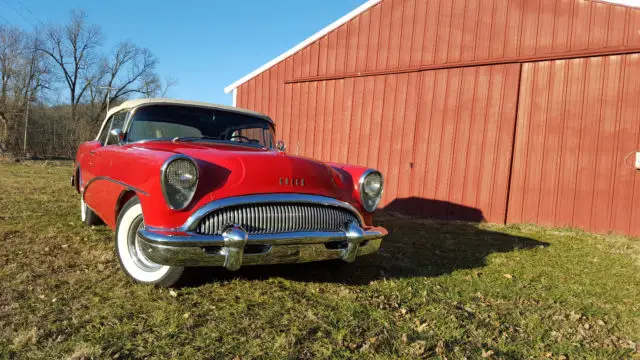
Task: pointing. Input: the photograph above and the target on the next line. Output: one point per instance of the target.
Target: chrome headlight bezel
(167, 188)
(370, 202)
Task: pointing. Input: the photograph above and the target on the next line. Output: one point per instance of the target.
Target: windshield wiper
(194, 138)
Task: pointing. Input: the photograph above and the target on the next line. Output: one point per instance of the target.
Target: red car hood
(233, 170)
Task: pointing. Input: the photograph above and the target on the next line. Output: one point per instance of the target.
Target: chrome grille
(277, 218)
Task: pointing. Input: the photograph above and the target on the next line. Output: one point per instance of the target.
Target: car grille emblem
(291, 181)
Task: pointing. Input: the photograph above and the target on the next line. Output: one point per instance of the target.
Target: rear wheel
(132, 259)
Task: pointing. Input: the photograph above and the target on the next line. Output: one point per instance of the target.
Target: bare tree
(34, 67)
(23, 74)
(73, 48)
(130, 70)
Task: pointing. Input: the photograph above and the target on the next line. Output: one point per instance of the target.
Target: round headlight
(371, 186)
(179, 181)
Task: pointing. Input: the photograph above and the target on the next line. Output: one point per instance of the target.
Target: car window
(105, 131)
(175, 121)
(117, 122)
(146, 130)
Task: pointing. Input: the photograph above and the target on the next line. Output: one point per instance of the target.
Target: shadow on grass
(415, 247)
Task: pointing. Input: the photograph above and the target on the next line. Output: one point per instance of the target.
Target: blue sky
(205, 45)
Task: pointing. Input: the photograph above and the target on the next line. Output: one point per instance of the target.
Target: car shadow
(417, 246)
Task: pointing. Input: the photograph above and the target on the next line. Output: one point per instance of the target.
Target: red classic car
(186, 183)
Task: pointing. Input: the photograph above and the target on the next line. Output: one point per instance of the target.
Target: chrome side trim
(138, 191)
(361, 183)
(163, 171)
(192, 222)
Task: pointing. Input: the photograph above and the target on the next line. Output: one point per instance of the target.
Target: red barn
(518, 110)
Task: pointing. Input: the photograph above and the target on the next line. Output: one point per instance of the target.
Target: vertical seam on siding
(616, 152)
(601, 123)
(446, 101)
(415, 127)
(484, 135)
(446, 55)
(538, 17)
(575, 181)
(455, 134)
(566, 83)
(513, 146)
(571, 17)
(528, 132)
(413, 21)
(384, 86)
(590, 26)
(544, 135)
(402, 122)
(493, 11)
(503, 90)
(437, 24)
(464, 25)
(521, 26)
(606, 40)
(553, 30)
(471, 123)
(373, 100)
(426, 164)
(627, 28)
(475, 32)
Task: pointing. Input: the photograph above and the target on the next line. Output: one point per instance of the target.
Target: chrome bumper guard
(235, 247)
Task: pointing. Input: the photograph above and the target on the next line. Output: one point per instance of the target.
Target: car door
(100, 189)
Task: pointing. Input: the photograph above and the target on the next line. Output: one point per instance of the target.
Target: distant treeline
(57, 80)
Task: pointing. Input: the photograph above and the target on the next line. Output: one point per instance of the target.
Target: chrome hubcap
(135, 251)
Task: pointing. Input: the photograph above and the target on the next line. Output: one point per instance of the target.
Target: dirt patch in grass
(435, 289)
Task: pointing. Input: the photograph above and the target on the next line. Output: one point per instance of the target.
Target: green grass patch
(435, 290)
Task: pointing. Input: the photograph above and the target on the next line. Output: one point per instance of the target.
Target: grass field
(447, 290)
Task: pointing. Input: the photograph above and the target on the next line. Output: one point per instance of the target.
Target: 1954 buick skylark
(195, 184)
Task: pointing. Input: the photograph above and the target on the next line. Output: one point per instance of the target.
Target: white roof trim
(355, 12)
(632, 3)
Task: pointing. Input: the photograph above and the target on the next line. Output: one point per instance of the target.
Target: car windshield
(188, 123)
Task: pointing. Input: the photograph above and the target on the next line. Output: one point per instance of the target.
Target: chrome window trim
(192, 222)
(361, 183)
(163, 170)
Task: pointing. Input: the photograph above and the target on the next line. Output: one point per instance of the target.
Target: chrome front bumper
(235, 247)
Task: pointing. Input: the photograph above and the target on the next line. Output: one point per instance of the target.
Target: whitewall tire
(132, 259)
(87, 215)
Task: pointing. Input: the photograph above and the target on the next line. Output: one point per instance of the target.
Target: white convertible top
(137, 102)
(130, 104)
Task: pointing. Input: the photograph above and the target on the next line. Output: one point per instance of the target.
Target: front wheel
(132, 260)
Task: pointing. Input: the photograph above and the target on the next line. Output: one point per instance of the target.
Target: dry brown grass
(436, 289)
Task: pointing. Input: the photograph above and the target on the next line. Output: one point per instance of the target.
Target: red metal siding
(429, 134)
(427, 90)
(398, 35)
(577, 122)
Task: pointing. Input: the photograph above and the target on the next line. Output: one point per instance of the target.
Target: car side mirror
(281, 146)
(118, 135)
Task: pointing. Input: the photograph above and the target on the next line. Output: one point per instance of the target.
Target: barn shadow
(417, 246)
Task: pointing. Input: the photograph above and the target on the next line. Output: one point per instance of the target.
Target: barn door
(577, 132)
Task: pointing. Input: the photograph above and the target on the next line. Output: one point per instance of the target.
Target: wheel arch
(125, 195)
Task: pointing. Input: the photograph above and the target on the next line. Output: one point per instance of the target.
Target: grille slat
(277, 218)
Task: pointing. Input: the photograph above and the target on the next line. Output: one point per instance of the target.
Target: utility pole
(108, 88)
(26, 123)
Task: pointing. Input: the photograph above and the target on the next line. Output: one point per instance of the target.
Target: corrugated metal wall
(415, 88)
(430, 133)
(577, 133)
